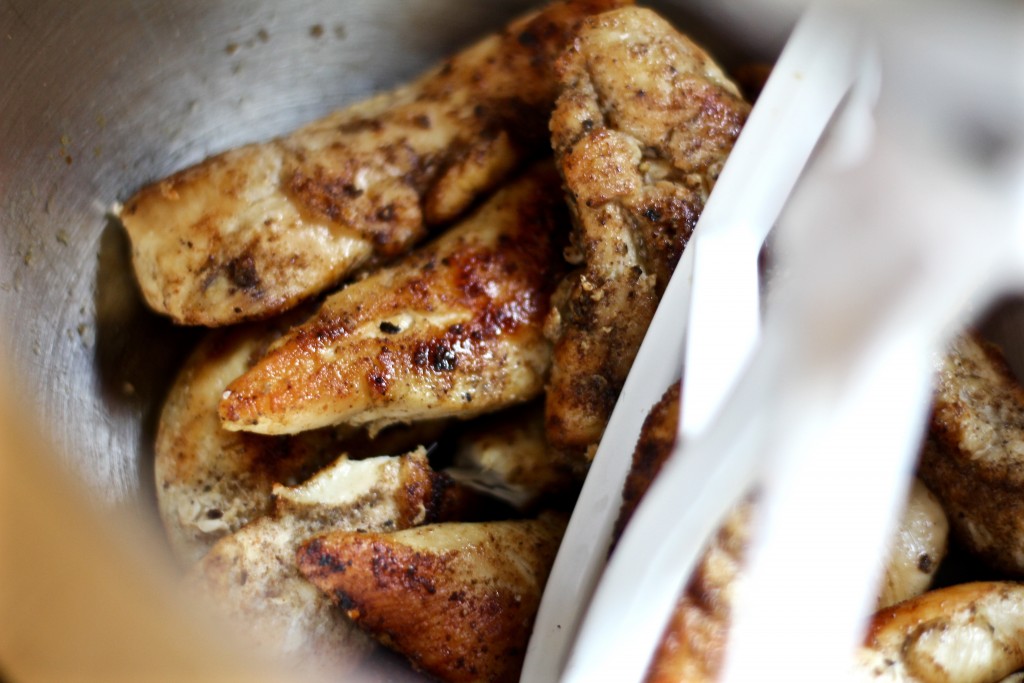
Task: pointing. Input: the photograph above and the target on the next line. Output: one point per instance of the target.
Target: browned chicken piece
(641, 131)
(250, 232)
(209, 481)
(507, 455)
(969, 633)
(251, 576)
(974, 455)
(693, 645)
(455, 329)
(458, 600)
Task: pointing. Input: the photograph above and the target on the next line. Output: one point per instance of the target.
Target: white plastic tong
(827, 414)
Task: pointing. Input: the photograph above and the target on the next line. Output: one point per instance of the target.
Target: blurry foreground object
(82, 595)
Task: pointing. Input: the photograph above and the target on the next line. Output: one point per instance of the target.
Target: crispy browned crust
(250, 232)
(641, 130)
(458, 600)
(657, 437)
(973, 459)
(455, 329)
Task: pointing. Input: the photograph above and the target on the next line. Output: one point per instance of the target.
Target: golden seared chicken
(209, 481)
(693, 645)
(974, 456)
(252, 231)
(454, 329)
(641, 129)
(251, 574)
(970, 633)
(458, 599)
(507, 455)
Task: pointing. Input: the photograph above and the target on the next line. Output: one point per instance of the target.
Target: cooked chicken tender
(970, 633)
(458, 600)
(251, 574)
(250, 232)
(210, 481)
(453, 330)
(974, 456)
(641, 130)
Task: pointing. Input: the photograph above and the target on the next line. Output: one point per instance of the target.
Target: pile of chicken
(408, 264)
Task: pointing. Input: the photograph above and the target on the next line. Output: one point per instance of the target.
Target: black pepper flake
(528, 39)
(924, 563)
(389, 328)
(345, 600)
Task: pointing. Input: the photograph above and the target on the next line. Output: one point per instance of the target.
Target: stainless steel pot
(98, 98)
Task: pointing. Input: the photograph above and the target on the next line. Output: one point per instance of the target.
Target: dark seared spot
(652, 214)
(242, 272)
(386, 213)
(345, 600)
(528, 39)
(360, 125)
(422, 121)
(382, 372)
(443, 358)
